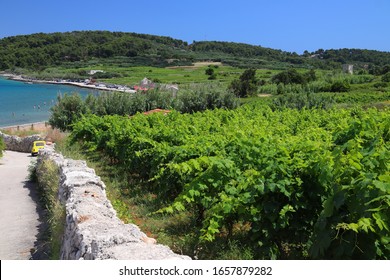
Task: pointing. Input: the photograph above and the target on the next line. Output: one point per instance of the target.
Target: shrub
(105, 75)
(302, 100)
(340, 86)
(195, 98)
(212, 77)
(246, 85)
(386, 77)
(209, 71)
(380, 85)
(47, 177)
(310, 76)
(290, 76)
(200, 98)
(2, 147)
(68, 109)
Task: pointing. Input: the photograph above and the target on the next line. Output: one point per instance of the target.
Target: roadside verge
(92, 228)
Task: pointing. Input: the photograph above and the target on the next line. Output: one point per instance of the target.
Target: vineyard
(303, 184)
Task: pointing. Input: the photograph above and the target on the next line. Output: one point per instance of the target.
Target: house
(146, 83)
(140, 88)
(348, 68)
(161, 111)
(171, 87)
(93, 72)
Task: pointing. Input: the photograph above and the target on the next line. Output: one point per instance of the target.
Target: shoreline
(38, 126)
(98, 86)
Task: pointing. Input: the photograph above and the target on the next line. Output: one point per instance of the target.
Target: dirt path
(20, 222)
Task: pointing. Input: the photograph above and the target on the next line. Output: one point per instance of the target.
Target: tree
(386, 77)
(211, 73)
(310, 76)
(290, 76)
(68, 110)
(246, 85)
(340, 86)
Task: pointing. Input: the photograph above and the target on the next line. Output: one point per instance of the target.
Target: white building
(93, 72)
(348, 68)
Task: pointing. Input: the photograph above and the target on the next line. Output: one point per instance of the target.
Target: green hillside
(42, 50)
(85, 48)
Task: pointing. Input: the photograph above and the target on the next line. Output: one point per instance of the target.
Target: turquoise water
(22, 103)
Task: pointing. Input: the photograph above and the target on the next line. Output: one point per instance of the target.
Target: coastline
(36, 126)
(99, 86)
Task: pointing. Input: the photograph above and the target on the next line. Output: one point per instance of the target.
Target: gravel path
(20, 221)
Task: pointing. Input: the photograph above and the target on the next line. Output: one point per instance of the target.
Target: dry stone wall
(92, 228)
(19, 144)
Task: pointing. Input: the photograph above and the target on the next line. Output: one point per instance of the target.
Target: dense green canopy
(38, 51)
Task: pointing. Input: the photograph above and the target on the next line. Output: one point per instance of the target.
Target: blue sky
(280, 24)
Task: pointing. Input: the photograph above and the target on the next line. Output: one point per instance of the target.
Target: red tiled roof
(157, 111)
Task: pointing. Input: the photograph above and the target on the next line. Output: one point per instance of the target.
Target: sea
(25, 103)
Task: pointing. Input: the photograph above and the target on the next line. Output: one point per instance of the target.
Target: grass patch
(42, 129)
(112, 178)
(20, 133)
(47, 176)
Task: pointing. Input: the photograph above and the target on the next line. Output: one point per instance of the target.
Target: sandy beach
(49, 134)
(37, 126)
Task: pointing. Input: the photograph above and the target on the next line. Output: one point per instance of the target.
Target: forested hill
(42, 50)
(81, 48)
(321, 58)
(373, 57)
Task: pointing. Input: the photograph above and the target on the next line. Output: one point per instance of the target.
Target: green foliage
(359, 57)
(41, 50)
(326, 83)
(302, 100)
(211, 73)
(290, 76)
(310, 76)
(68, 109)
(378, 70)
(306, 184)
(119, 103)
(386, 77)
(340, 86)
(188, 100)
(204, 97)
(48, 181)
(244, 55)
(2, 146)
(83, 48)
(246, 85)
(105, 75)
(357, 208)
(380, 85)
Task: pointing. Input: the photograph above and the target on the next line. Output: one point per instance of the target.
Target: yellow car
(37, 145)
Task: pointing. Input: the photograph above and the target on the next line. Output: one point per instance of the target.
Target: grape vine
(314, 179)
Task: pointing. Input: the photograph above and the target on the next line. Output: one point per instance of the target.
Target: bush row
(192, 99)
